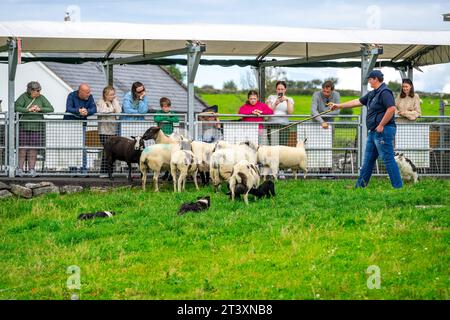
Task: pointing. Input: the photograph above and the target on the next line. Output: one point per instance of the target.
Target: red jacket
(248, 109)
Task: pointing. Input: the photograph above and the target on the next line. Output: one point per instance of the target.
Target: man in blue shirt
(381, 125)
(80, 103)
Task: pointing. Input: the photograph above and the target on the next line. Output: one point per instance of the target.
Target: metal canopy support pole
(12, 67)
(402, 72)
(262, 83)
(109, 73)
(368, 59)
(410, 73)
(193, 56)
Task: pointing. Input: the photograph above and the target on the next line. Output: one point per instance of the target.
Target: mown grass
(315, 240)
(229, 103)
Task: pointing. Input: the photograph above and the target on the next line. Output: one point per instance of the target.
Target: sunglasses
(140, 91)
(37, 90)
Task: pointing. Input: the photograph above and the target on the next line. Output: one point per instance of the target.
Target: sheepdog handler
(380, 122)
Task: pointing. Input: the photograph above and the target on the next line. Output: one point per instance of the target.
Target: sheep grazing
(184, 162)
(408, 170)
(274, 158)
(159, 136)
(123, 149)
(246, 173)
(223, 161)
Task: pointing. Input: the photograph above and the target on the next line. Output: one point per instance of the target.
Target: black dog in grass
(98, 214)
(266, 189)
(202, 203)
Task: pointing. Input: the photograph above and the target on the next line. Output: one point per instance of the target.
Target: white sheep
(184, 162)
(202, 152)
(245, 173)
(156, 158)
(273, 158)
(223, 161)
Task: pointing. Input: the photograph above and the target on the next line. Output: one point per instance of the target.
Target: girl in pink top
(255, 107)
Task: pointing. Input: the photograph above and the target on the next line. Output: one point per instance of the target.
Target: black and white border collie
(98, 214)
(202, 203)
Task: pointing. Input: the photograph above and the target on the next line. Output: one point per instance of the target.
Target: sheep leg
(173, 171)
(182, 179)
(144, 175)
(130, 180)
(305, 171)
(246, 198)
(110, 167)
(155, 179)
(194, 176)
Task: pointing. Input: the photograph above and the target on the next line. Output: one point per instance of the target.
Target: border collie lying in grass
(266, 189)
(202, 203)
(98, 214)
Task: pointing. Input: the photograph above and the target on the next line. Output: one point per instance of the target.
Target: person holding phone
(281, 106)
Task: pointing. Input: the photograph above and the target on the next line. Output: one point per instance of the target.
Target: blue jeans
(380, 144)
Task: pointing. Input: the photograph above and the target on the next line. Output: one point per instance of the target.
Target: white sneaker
(19, 172)
(33, 173)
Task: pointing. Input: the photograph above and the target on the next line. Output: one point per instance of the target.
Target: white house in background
(53, 87)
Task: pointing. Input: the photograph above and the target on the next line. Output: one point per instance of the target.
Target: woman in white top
(407, 103)
(282, 106)
(107, 104)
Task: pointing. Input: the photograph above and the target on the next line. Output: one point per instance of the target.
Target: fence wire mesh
(53, 146)
(3, 149)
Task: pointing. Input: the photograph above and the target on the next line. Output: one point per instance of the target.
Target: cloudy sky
(399, 15)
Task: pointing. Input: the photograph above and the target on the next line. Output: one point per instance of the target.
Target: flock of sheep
(234, 163)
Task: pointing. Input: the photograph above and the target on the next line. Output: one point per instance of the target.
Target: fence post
(12, 67)
(193, 56)
(368, 58)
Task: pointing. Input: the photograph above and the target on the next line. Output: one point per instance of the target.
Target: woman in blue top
(135, 102)
(381, 125)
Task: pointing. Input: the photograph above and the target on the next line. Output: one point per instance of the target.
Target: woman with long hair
(407, 103)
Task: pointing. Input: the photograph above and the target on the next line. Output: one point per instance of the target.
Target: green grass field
(230, 103)
(315, 240)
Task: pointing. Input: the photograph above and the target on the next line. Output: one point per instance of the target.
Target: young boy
(165, 122)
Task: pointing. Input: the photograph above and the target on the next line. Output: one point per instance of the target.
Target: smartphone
(280, 94)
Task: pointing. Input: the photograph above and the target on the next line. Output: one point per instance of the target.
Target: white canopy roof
(422, 47)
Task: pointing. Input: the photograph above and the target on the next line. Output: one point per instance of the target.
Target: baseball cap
(375, 74)
(213, 108)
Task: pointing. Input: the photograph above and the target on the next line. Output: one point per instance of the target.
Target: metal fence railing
(75, 147)
(426, 142)
(3, 140)
(331, 152)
